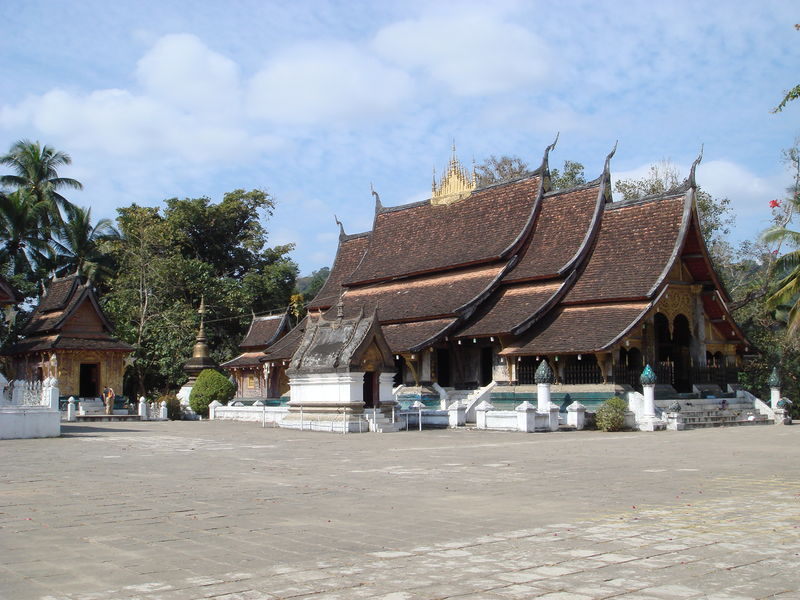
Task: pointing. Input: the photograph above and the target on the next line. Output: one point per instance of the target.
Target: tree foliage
(496, 170)
(570, 176)
(195, 249)
(716, 217)
(210, 386)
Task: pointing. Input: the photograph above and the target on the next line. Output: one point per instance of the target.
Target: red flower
(774, 204)
(775, 252)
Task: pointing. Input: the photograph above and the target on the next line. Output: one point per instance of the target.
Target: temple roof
(350, 252)
(285, 347)
(246, 359)
(424, 297)
(561, 229)
(264, 331)
(338, 345)
(571, 329)
(68, 317)
(519, 261)
(423, 238)
(635, 248)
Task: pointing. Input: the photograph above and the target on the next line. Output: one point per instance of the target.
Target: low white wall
(502, 419)
(430, 418)
(17, 422)
(259, 414)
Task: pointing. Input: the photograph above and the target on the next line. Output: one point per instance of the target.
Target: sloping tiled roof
(64, 296)
(421, 297)
(402, 337)
(573, 329)
(634, 246)
(561, 227)
(247, 359)
(58, 342)
(513, 305)
(350, 252)
(285, 347)
(422, 238)
(265, 330)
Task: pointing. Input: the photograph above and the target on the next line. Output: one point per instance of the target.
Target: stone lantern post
(647, 421)
(774, 382)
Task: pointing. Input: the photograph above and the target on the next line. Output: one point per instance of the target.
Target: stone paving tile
(179, 515)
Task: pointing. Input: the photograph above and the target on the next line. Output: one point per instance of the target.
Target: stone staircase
(454, 395)
(698, 413)
(380, 423)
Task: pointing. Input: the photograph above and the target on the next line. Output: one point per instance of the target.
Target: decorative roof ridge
(680, 239)
(636, 321)
(466, 310)
(537, 172)
(578, 188)
(343, 237)
(549, 304)
(603, 198)
(669, 194)
(399, 207)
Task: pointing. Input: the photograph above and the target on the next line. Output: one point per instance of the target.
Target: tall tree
(24, 243)
(504, 168)
(80, 247)
(168, 261)
(570, 176)
(36, 170)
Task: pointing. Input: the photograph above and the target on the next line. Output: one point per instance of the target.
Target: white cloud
(182, 72)
(472, 53)
(326, 83)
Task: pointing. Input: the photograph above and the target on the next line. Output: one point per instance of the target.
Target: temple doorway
(681, 342)
(371, 388)
(443, 367)
(88, 380)
(487, 363)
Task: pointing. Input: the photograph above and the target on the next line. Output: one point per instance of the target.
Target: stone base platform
(97, 418)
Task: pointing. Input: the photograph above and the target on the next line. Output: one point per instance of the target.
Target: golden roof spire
(455, 183)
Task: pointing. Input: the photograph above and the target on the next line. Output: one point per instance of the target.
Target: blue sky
(313, 101)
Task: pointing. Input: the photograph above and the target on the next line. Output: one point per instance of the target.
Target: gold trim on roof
(455, 183)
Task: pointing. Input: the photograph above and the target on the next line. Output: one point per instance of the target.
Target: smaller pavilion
(342, 368)
(69, 337)
(252, 382)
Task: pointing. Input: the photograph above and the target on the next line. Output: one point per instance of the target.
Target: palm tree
(81, 247)
(36, 170)
(788, 265)
(24, 245)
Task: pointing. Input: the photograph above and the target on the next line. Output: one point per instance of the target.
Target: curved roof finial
(544, 170)
(378, 205)
(606, 177)
(342, 234)
(692, 180)
(549, 149)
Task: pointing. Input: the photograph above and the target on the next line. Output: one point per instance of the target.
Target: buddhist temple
(248, 370)
(478, 285)
(68, 337)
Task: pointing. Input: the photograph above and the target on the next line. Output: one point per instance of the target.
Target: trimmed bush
(210, 385)
(173, 406)
(611, 414)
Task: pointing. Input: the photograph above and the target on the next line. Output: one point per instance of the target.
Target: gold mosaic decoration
(454, 185)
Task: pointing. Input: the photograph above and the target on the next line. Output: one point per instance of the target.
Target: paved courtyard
(225, 510)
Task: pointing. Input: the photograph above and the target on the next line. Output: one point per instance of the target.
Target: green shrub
(611, 414)
(210, 385)
(173, 406)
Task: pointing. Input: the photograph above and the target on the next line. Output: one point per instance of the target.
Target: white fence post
(142, 408)
(163, 413)
(71, 409)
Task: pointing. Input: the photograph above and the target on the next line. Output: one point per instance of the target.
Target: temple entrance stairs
(454, 395)
(699, 413)
(380, 422)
